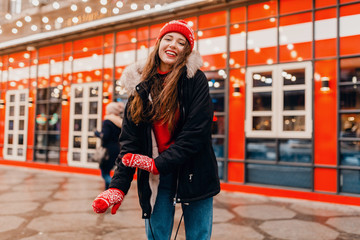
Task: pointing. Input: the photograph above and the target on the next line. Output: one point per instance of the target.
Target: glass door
(16, 124)
(85, 118)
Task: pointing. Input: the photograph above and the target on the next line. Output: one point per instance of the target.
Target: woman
(109, 135)
(167, 135)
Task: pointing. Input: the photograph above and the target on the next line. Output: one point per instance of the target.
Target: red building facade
(283, 76)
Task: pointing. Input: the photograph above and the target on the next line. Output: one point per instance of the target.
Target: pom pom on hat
(179, 26)
(115, 108)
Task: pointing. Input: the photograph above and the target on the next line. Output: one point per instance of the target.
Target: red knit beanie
(179, 26)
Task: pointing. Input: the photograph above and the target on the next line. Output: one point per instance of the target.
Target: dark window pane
(12, 98)
(12, 111)
(218, 145)
(94, 91)
(54, 140)
(21, 139)
(215, 80)
(21, 124)
(262, 101)
(293, 77)
(42, 94)
(22, 110)
(294, 123)
(261, 149)
(55, 108)
(11, 124)
(91, 142)
(350, 181)
(20, 152)
(218, 126)
(77, 125)
(350, 70)
(78, 108)
(261, 123)
(77, 142)
(41, 108)
(262, 79)
(218, 102)
(350, 153)
(350, 97)
(9, 151)
(350, 125)
(93, 108)
(92, 125)
(294, 100)
(76, 156)
(78, 92)
(289, 176)
(22, 97)
(296, 150)
(10, 139)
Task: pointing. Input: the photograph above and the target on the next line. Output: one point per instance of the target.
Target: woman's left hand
(140, 161)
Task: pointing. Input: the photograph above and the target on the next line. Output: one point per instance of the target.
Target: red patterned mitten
(140, 161)
(104, 200)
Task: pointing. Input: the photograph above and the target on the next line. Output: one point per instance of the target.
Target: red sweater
(161, 131)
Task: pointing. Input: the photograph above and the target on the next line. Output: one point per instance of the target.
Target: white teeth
(171, 53)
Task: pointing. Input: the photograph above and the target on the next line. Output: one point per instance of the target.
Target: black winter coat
(110, 140)
(191, 158)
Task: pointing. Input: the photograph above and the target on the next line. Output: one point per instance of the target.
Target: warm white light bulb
(75, 20)
(19, 23)
(133, 6)
(14, 31)
(73, 7)
(56, 5)
(8, 16)
(103, 10)
(48, 27)
(103, 2)
(45, 19)
(147, 6)
(34, 28)
(116, 10)
(60, 20)
(27, 19)
(88, 9)
(119, 4)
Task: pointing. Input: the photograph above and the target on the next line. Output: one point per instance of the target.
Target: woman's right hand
(111, 197)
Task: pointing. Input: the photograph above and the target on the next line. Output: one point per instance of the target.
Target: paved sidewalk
(48, 205)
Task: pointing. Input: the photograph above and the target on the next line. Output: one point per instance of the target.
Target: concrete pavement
(48, 205)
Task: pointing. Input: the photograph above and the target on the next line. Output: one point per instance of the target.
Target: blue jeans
(107, 178)
(198, 216)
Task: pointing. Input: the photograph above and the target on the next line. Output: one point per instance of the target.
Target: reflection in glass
(42, 93)
(294, 100)
(77, 125)
(350, 181)
(91, 142)
(12, 111)
(293, 77)
(53, 156)
(294, 123)
(289, 176)
(218, 101)
(215, 80)
(41, 108)
(90, 157)
(9, 151)
(12, 98)
(350, 70)
(261, 149)
(92, 125)
(262, 79)
(350, 125)
(54, 140)
(21, 124)
(93, 107)
(40, 155)
(94, 91)
(76, 156)
(10, 139)
(350, 153)
(40, 140)
(218, 145)
(11, 124)
(262, 101)
(54, 122)
(22, 110)
(296, 150)
(22, 97)
(78, 108)
(262, 123)
(20, 152)
(21, 139)
(55, 108)
(78, 92)
(55, 93)
(350, 97)
(77, 142)
(218, 125)
(221, 166)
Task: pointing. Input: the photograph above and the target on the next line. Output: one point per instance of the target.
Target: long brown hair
(164, 94)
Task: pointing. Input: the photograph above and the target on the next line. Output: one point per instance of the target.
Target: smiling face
(171, 45)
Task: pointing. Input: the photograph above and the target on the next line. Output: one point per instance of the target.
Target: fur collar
(131, 75)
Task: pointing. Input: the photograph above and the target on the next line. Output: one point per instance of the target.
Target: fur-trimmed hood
(131, 75)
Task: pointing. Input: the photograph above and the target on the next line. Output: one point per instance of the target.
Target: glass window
(350, 153)
(295, 150)
(261, 149)
(218, 145)
(218, 126)
(294, 100)
(218, 102)
(216, 80)
(350, 181)
(289, 176)
(262, 101)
